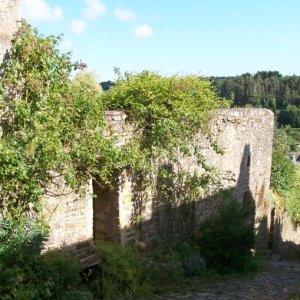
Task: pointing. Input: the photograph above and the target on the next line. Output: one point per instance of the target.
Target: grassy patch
(295, 134)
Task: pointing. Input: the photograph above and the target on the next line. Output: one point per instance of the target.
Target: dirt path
(277, 282)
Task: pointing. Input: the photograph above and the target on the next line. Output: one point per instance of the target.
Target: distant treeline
(267, 89)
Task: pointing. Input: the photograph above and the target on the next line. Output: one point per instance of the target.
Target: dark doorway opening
(106, 212)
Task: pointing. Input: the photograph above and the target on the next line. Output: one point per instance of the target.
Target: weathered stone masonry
(244, 134)
(9, 14)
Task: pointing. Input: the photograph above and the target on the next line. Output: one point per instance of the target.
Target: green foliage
(168, 113)
(123, 275)
(24, 273)
(86, 80)
(292, 198)
(285, 176)
(60, 269)
(293, 138)
(77, 295)
(283, 170)
(194, 265)
(290, 116)
(264, 89)
(167, 110)
(20, 240)
(52, 126)
(227, 237)
(295, 134)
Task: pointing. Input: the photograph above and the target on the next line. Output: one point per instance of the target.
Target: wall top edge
(227, 111)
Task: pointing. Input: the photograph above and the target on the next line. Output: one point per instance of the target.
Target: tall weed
(123, 275)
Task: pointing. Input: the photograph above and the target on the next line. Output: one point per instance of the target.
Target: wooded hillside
(267, 89)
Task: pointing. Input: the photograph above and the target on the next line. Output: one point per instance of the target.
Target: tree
(290, 116)
(52, 126)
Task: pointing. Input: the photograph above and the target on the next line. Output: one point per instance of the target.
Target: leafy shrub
(52, 125)
(292, 198)
(194, 265)
(24, 273)
(60, 269)
(283, 170)
(20, 240)
(123, 275)
(285, 176)
(168, 110)
(226, 238)
(77, 295)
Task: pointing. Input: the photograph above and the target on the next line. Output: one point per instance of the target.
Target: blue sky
(205, 37)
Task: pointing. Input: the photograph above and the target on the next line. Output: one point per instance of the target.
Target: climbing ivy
(285, 176)
(168, 113)
(54, 127)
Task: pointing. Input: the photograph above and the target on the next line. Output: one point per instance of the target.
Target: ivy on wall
(54, 126)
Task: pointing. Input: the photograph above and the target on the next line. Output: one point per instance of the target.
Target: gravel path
(276, 282)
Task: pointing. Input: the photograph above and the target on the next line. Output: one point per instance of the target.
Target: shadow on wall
(174, 216)
(286, 249)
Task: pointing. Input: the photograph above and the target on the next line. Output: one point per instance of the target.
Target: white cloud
(67, 45)
(78, 26)
(143, 31)
(124, 14)
(39, 11)
(94, 9)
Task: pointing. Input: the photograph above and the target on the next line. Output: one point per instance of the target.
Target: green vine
(54, 126)
(168, 113)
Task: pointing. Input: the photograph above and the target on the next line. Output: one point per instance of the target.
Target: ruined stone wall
(286, 236)
(246, 137)
(9, 15)
(69, 215)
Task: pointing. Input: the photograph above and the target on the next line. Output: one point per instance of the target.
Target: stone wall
(74, 220)
(9, 15)
(246, 137)
(129, 216)
(286, 236)
(69, 215)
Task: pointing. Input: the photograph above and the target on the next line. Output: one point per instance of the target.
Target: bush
(60, 269)
(292, 202)
(283, 170)
(285, 176)
(194, 265)
(20, 241)
(227, 237)
(24, 273)
(122, 273)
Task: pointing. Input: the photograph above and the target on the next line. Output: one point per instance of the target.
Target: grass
(294, 133)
